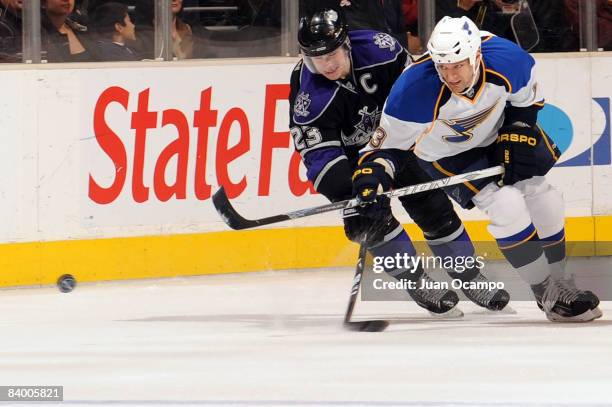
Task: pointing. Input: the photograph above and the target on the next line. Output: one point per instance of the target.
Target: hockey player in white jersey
(470, 103)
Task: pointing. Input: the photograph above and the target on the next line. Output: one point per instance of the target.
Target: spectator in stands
(182, 36)
(144, 18)
(114, 28)
(495, 16)
(410, 9)
(10, 30)
(380, 15)
(79, 14)
(183, 40)
(63, 39)
(604, 22)
(487, 15)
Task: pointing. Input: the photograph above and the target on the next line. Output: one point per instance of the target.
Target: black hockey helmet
(322, 33)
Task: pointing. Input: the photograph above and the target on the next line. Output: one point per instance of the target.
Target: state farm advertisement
(158, 145)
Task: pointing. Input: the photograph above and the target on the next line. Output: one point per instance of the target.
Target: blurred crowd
(123, 30)
(537, 25)
(95, 30)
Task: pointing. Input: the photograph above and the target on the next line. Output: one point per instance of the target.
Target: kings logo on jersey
(384, 41)
(302, 103)
(364, 128)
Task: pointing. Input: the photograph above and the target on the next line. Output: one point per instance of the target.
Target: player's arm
(406, 116)
(316, 137)
(525, 99)
(520, 137)
(327, 165)
(385, 155)
(380, 161)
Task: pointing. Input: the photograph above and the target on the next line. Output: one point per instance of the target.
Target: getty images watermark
(405, 263)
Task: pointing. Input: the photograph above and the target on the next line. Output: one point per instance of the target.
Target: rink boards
(108, 170)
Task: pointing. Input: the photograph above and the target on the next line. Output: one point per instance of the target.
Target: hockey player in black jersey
(337, 94)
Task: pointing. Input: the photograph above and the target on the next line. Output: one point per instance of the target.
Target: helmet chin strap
(474, 76)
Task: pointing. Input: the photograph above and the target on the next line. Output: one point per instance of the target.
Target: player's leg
(518, 240)
(546, 208)
(515, 233)
(444, 232)
(436, 300)
(385, 238)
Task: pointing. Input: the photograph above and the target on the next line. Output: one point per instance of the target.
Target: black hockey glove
(369, 222)
(520, 151)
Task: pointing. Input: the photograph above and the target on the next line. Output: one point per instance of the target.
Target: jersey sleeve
(380, 51)
(407, 114)
(315, 130)
(530, 93)
(517, 67)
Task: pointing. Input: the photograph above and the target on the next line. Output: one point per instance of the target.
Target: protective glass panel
(239, 28)
(524, 27)
(10, 31)
(604, 25)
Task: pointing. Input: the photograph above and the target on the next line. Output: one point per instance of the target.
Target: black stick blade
(227, 212)
(377, 325)
(233, 219)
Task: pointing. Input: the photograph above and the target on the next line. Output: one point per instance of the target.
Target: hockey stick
(376, 325)
(235, 221)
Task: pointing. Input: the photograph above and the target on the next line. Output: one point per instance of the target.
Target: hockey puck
(66, 283)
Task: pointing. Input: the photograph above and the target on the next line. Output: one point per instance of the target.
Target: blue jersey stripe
(521, 237)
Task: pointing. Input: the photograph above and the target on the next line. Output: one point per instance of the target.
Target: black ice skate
(563, 302)
(493, 300)
(435, 300)
(593, 299)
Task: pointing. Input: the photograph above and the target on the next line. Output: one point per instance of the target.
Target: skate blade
(450, 314)
(597, 312)
(587, 316)
(507, 310)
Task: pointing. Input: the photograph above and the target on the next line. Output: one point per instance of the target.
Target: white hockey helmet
(454, 40)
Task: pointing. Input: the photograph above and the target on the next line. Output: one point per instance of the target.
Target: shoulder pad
(371, 48)
(506, 59)
(414, 95)
(314, 96)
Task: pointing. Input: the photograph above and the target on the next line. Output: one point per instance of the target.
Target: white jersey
(423, 113)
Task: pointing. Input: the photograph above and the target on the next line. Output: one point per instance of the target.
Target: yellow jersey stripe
(518, 243)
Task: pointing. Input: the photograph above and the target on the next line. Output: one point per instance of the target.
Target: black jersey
(331, 121)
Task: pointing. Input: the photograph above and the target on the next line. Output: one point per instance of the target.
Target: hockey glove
(520, 151)
(369, 222)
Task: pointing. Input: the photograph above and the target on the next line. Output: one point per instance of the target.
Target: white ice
(276, 338)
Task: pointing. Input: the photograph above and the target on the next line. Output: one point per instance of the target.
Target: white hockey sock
(535, 272)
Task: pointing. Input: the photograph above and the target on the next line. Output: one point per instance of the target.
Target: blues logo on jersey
(464, 127)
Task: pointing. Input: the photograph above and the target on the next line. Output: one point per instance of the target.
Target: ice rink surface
(276, 339)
